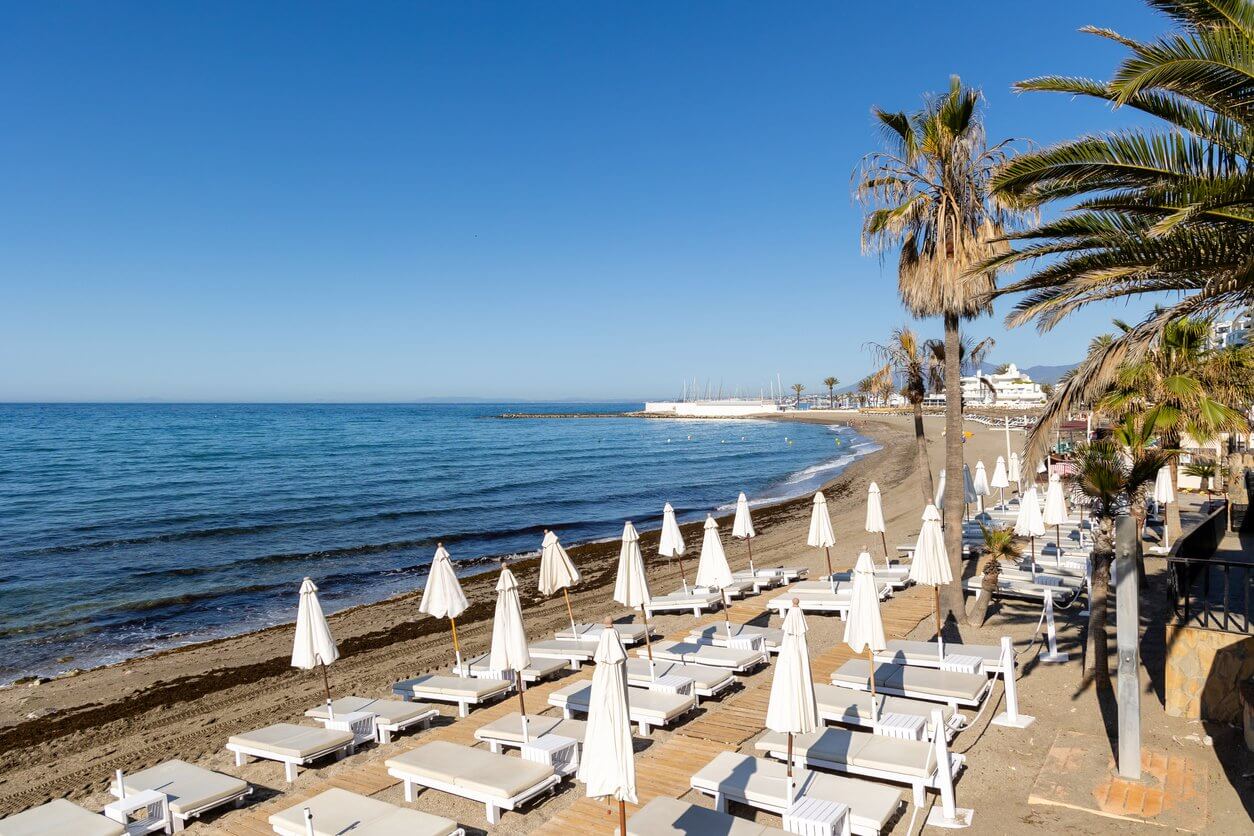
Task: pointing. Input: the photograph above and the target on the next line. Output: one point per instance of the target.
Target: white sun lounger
(911, 762)
(59, 816)
(706, 681)
(647, 708)
(390, 716)
(716, 634)
(787, 574)
(757, 581)
(1026, 590)
(681, 601)
(573, 652)
(540, 668)
(189, 789)
(291, 745)
(926, 654)
(506, 732)
(465, 691)
(895, 578)
(668, 817)
(338, 812)
(762, 784)
(843, 586)
(630, 633)
(953, 689)
(853, 708)
(500, 782)
(691, 653)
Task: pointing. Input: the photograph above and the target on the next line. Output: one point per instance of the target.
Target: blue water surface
(126, 528)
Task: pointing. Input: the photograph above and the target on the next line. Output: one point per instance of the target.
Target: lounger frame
(415, 694)
(573, 658)
(291, 765)
(918, 786)
(952, 702)
(646, 726)
(760, 658)
(722, 795)
(493, 805)
(178, 821)
(697, 607)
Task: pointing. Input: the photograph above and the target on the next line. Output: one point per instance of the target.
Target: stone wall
(1204, 672)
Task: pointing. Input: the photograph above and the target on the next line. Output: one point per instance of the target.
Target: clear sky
(391, 201)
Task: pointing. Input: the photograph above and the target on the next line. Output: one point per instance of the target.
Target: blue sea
(126, 529)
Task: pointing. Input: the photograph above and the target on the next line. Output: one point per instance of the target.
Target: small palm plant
(1111, 477)
(1207, 471)
(999, 545)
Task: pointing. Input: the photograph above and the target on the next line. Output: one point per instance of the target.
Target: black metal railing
(1207, 592)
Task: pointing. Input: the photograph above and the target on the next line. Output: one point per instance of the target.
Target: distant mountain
(1039, 374)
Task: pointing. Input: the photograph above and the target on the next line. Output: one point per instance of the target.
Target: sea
(131, 528)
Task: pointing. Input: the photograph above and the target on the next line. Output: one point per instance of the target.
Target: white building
(1233, 332)
(1011, 389)
(725, 408)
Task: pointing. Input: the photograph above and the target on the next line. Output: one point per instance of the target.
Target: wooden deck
(662, 769)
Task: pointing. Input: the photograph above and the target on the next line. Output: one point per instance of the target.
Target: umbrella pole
(622, 816)
(648, 643)
(722, 599)
(326, 681)
(1032, 540)
(936, 589)
(884, 543)
(830, 574)
(570, 612)
(457, 648)
(522, 705)
(749, 543)
(682, 576)
(870, 660)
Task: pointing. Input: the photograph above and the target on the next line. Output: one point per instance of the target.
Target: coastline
(66, 735)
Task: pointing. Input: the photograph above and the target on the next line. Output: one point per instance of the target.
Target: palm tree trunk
(952, 602)
(988, 588)
(1103, 552)
(925, 467)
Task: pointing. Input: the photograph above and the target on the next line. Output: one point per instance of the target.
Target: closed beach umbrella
(557, 572)
(1055, 511)
(671, 543)
(442, 597)
(968, 489)
(631, 587)
(742, 528)
(1000, 481)
(939, 499)
(1164, 494)
(875, 516)
(980, 483)
(821, 534)
(792, 708)
(607, 763)
(712, 569)
(1028, 523)
(864, 629)
(313, 646)
(1014, 471)
(509, 639)
(931, 562)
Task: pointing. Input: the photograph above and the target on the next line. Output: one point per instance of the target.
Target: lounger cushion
(538, 669)
(452, 687)
(668, 817)
(337, 812)
(390, 712)
(59, 816)
(705, 678)
(629, 632)
(764, 782)
(681, 600)
(854, 707)
(563, 648)
(476, 770)
(906, 652)
(718, 632)
(654, 707)
(288, 740)
(508, 729)
(943, 685)
(913, 758)
(188, 787)
(691, 653)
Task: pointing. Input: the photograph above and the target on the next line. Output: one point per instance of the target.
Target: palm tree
(999, 545)
(927, 196)
(1146, 211)
(912, 363)
(1179, 388)
(797, 389)
(1109, 477)
(831, 383)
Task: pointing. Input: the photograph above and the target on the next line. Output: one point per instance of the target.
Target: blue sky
(391, 201)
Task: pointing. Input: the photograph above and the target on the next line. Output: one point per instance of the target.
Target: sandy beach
(64, 738)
